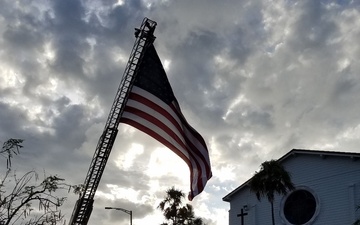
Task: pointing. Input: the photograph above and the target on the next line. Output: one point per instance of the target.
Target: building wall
(334, 180)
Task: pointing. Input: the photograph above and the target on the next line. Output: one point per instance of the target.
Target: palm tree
(174, 211)
(186, 214)
(272, 178)
(171, 204)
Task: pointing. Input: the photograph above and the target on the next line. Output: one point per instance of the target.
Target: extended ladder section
(83, 208)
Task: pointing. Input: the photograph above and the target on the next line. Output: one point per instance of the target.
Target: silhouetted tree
(18, 195)
(174, 211)
(272, 178)
(9, 148)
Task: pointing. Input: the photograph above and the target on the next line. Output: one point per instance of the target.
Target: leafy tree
(272, 178)
(174, 211)
(18, 195)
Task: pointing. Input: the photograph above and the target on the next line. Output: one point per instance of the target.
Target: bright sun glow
(119, 3)
(117, 192)
(10, 78)
(226, 173)
(126, 160)
(167, 64)
(164, 162)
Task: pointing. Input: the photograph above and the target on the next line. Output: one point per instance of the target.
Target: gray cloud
(256, 79)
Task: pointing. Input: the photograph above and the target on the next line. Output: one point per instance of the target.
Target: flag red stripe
(161, 125)
(141, 99)
(201, 154)
(164, 141)
(190, 162)
(176, 109)
(156, 136)
(153, 109)
(167, 118)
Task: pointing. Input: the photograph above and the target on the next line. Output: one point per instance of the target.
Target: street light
(124, 210)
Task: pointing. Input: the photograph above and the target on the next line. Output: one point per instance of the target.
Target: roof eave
(352, 155)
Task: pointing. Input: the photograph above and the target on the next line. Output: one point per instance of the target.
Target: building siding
(334, 179)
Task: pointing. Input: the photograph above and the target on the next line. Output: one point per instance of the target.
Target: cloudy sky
(256, 78)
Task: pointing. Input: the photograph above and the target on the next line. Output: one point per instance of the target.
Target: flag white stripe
(156, 114)
(157, 101)
(169, 124)
(157, 130)
(195, 158)
(167, 137)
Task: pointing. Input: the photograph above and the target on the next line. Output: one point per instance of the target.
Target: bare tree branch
(9, 148)
(18, 203)
(18, 195)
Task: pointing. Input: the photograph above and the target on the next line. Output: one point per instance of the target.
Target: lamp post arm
(124, 210)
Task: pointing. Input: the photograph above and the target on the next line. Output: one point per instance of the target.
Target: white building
(327, 192)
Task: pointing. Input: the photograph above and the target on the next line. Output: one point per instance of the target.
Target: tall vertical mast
(83, 208)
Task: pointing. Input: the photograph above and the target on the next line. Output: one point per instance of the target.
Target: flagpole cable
(84, 205)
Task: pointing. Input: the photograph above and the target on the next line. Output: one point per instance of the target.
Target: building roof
(294, 152)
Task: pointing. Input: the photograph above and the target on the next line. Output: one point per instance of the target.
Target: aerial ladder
(84, 205)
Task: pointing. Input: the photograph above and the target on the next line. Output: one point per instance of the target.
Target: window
(300, 207)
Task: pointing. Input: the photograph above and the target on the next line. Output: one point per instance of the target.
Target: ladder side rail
(144, 38)
(127, 82)
(95, 167)
(83, 207)
(114, 116)
(93, 174)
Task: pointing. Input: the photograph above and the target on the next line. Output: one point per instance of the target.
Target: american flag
(153, 109)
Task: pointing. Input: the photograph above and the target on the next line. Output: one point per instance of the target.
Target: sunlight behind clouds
(49, 88)
(124, 193)
(255, 78)
(119, 3)
(351, 133)
(49, 53)
(164, 162)
(125, 161)
(167, 64)
(225, 173)
(10, 78)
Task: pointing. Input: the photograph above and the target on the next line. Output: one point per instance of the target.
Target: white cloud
(164, 162)
(126, 161)
(255, 78)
